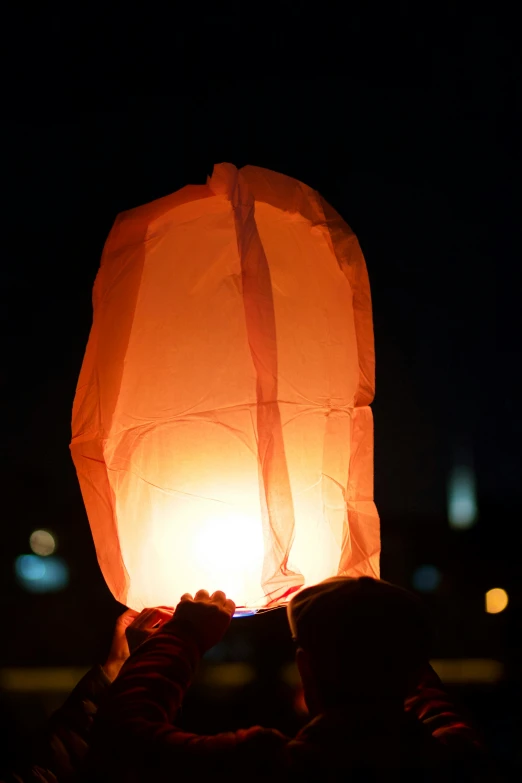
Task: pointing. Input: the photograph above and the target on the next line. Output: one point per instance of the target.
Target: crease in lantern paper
(153, 425)
(317, 483)
(142, 259)
(314, 404)
(366, 559)
(355, 541)
(166, 490)
(334, 481)
(260, 325)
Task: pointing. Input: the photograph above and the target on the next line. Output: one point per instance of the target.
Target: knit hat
(360, 632)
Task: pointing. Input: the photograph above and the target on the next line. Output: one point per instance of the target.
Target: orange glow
(496, 600)
(222, 433)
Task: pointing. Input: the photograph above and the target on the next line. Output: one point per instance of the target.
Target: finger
(142, 619)
(128, 613)
(218, 597)
(157, 617)
(164, 611)
(202, 595)
(149, 617)
(126, 618)
(186, 597)
(229, 606)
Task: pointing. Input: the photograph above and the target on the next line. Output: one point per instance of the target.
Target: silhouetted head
(360, 640)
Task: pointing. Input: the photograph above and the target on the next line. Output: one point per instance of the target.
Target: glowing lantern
(221, 429)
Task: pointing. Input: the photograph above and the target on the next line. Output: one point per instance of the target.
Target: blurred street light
(426, 578)
(496, 600)
(42, 542)
(41, 574)
(462, 501)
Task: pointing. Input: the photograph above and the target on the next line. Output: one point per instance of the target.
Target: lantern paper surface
(221, 429)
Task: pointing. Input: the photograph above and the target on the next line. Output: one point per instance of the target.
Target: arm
(460, 741)
(143, 703)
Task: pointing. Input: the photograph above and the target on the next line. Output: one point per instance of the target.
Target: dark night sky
(417, 147)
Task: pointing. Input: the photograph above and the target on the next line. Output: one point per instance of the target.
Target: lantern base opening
(243, 612)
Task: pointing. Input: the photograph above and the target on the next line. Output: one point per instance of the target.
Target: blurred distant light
(40, 680)
(290, 675)
(426, 578)
(462, 501)
(39, 575)
(42, 542)
(228, 675)
(30, 568)
(496, 600)
(468, 670)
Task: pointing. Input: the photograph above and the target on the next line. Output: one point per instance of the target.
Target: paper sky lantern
(221, 429)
